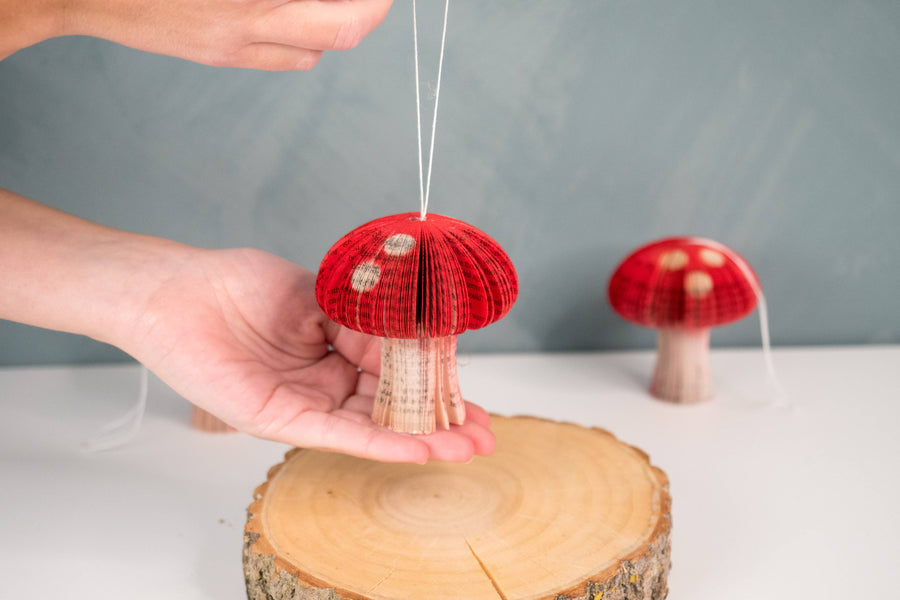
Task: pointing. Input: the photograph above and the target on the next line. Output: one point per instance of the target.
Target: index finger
(358, 348)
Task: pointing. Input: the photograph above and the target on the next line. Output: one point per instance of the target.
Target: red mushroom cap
(404, 277)
(683, 282)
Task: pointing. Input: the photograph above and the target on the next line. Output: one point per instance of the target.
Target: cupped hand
(273, 35)
(239, 333)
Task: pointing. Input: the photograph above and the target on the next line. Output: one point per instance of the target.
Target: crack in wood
(484, 568)
(385, 578)
(552, 554)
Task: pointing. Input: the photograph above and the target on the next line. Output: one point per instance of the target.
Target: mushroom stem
(682, 372)
(418, 390)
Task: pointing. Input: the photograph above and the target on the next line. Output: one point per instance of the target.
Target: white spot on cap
(673, 260)
(698, 284)
(399, 244)
(712, 258)
(365, 276)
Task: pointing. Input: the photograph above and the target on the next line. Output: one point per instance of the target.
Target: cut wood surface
(559, 511)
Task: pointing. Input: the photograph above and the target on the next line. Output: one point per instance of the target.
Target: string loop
(425, 183)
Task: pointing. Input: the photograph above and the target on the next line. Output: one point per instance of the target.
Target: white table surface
(768, 502)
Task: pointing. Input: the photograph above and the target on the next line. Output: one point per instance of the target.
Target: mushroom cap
(403, 277)
(685, 282)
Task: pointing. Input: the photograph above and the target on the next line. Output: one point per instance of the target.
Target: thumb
(334, 431)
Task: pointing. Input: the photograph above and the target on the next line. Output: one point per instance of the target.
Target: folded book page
(417, 283)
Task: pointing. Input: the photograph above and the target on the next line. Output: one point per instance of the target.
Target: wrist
(60, 272)
(125, 273)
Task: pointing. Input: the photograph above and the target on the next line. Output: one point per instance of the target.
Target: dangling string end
(122, 430)
(780, 395)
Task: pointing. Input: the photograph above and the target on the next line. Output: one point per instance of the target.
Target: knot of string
(425, 183)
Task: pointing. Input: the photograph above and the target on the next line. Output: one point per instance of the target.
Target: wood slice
(558, 512)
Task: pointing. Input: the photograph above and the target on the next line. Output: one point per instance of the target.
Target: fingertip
(308, 60)
(486, 443)
(349, 34)
(420, 453)
(449, 446)
(394, 447)
(423, 458)
(476, 414)
(482, 438)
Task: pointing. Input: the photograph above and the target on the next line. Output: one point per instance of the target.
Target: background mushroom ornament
(683, 286)
(416, 282)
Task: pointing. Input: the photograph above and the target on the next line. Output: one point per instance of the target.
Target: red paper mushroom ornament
(416, 281)
(683, 286)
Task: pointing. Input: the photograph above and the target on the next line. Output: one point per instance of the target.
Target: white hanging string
(425, 183)
(780, 395)
(122, 430)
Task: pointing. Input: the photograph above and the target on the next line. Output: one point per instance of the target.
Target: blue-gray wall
(571, 131)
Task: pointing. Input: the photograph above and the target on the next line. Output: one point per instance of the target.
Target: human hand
(239, 333)
(273, 35)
